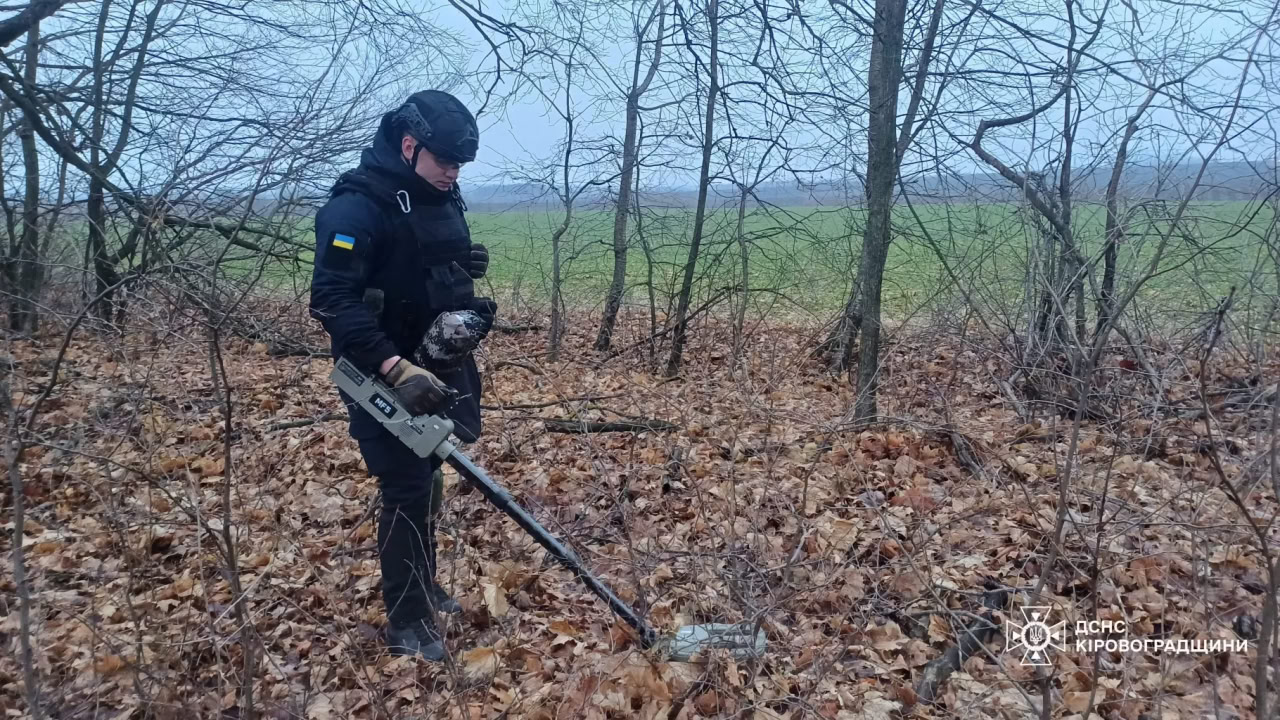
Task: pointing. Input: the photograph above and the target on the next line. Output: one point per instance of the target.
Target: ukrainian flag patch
(346, 242)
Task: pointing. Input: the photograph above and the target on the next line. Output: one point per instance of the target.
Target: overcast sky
(524, 130)
(526, 133)
(522, 135)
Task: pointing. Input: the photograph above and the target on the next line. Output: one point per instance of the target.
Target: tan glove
(418, 391)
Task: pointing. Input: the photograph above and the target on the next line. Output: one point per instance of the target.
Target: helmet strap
(417, 148)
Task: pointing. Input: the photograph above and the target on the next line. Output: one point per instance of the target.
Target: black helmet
(441, 123)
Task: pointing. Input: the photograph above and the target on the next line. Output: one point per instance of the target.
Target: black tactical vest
(417, 264)
(420, 270)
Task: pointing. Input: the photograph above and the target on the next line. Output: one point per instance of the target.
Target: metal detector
(429, 434)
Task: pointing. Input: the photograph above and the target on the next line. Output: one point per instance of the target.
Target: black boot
(407, 545)
(416, 638)
(443, 602)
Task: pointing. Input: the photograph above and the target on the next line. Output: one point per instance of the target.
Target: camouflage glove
(456, 333)
(419, 391)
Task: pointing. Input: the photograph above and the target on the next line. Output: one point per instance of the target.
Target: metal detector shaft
(495, 494)
(428, 435)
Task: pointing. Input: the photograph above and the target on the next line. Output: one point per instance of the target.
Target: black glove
(486, 308)
(418, 391)
(478, 264)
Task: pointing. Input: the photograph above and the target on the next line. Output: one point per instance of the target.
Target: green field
(803, 258)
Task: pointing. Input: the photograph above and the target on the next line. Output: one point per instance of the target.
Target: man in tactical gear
(395, 265)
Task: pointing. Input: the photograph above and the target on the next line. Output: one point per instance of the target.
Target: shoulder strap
(354, 181)
(456, 194)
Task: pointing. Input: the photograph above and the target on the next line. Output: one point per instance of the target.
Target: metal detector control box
(425, 434)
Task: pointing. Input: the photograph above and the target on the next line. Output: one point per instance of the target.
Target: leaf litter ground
(863, 551)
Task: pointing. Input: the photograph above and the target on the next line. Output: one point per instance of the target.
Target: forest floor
(864, 551)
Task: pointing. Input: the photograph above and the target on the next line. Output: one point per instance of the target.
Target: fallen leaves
(916, 498)
(109, 664)
(495, 598)
(479, 663)
(1078, 702)
(864, 549)
(839, 532)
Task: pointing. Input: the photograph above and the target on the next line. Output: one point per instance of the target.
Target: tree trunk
(104, 270)
(840, 343)
(846, 333)
(630, 155)
(1049, 247)
(557, 304)
(653, 289)
(613, 300)
(1078, 267)
(23, 313)
(55, 213)
(1106, 293)
(708, 140)
(1114, 232)
(884, 77)
(740, 320)
(8, 258)
(1075, 263)
(13, 27)
(566, 197)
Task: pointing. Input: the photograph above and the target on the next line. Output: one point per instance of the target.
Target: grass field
(802, 260)
(805, 257)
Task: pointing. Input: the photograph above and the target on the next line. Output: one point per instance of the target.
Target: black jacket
(384, 228)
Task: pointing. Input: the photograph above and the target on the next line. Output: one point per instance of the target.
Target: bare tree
(108, 67)
(884, 78)
(28, 16)
(581, 165)
(200, 160)
(630, 151)
(750, 161)
(700, 213)
(25, 263)
(888, 142)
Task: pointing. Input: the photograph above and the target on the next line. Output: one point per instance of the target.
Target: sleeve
(346, 237)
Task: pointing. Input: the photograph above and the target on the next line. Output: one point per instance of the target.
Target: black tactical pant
(411, 498)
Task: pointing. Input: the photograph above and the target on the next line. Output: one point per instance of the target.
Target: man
(394, 264)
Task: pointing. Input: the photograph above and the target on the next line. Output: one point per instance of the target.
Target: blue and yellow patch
(340, 254)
